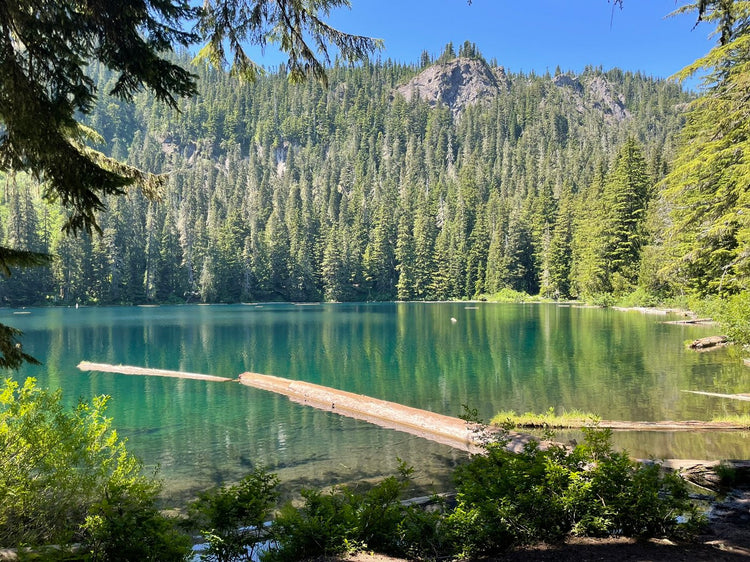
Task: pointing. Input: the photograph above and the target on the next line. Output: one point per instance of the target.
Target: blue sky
(533, 35)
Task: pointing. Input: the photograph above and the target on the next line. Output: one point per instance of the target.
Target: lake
(524, 357)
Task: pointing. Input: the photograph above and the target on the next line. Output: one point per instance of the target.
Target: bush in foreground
(507, 499)
(232, 518)
(66, 478)
(504, 500)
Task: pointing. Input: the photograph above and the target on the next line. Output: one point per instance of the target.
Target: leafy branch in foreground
(12, 355)
(296, 27)
(66, 478)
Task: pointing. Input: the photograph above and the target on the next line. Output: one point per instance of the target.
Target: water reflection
(493, 357)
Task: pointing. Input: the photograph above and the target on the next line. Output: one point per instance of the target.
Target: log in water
(447, 430)
(744, 397)
(439, 428)
(130, 370)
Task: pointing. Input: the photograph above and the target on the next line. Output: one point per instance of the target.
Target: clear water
(621, 365)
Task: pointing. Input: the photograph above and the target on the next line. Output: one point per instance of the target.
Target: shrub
(343, 520)
(66, 477)
(232, 518)
(507, 499)
(731, 312)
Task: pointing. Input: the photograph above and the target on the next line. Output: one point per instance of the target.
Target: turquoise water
(525, 357)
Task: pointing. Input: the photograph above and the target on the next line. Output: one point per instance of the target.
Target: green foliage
(295, 27)
(232, 518)
(66, 477)
(604, 300)
(507, 499)
(567, 419)
(11, 349)
(707, 186)
(44, 84)
(731, 312)
(126, 525)
(508, 295)
(640, 298)
(344, 520)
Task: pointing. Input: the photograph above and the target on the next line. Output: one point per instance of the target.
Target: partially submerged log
(743, 397)
(712, 475)
(447, 430)
(129, 370)
(689, 321)
(709, 342)
(689, 425)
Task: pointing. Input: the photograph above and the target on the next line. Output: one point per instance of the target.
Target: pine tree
(626, 195)
(560, 250)
(707, 188)
(405, 258)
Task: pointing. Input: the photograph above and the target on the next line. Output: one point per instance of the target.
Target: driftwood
(129, 370)
(743, 397)
(717, 475)
(690, 321)
(709, 342)
(451, 431)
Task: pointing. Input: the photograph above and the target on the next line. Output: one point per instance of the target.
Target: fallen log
(689, 425)
(709, 342)
(690, 321)
(440, 428)
(129, 370)
(743, 397)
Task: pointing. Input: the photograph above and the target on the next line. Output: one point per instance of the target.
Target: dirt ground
(586, 550)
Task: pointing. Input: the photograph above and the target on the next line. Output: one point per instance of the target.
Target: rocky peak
(568, 81)
(458, 84)
(603, 97)
(596, 94)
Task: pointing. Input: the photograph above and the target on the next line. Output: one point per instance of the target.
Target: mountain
(444, 180)
(465, 82)
(458, 83)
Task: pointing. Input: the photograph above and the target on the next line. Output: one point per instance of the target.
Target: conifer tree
(707, 188)
(626, 195)
(560, 250)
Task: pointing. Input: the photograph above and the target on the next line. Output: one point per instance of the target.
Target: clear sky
(536, 34)
(533, 35)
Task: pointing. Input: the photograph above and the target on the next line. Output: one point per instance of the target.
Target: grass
(566, 420)
(575, 419)
(509, 295)
(739, 419)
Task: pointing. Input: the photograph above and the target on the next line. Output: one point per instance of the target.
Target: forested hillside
(374, 187)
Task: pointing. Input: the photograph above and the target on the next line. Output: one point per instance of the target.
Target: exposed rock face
(458, 84)
(568, 81)
(605, 98)
(463, 82)
(595, 93)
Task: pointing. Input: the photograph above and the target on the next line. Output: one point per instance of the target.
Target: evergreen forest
(364, 189)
